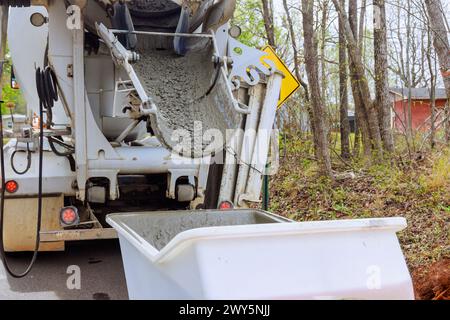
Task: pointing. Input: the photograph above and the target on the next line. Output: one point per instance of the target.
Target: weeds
(418, 190)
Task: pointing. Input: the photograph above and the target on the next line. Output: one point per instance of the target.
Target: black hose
(47, 88)
(2, 200)
(28, 152)
(47, 91)
(52, 141)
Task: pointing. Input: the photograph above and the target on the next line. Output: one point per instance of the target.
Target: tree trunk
(292, 36)
(359, 69)
(362, 126)
(409, 132)
(432, 68)
(362, 20)
(267, 7)
(304, 85)
(323, 63)
(312, 70)
(432, 103)
(442, 48)
(381, 74)
(343, 92)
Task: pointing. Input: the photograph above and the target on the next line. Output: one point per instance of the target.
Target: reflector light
(69, 216)
(226, 205)
(11, 186)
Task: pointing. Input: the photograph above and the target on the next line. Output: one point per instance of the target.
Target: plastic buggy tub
(247, 254)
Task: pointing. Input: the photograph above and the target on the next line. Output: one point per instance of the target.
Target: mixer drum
(154, 14)
(153, 8)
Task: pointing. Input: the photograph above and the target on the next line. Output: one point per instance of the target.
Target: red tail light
(69, 216)
(11, 186)
(226, 205)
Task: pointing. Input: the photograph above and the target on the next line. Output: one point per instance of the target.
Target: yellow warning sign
(290, 83)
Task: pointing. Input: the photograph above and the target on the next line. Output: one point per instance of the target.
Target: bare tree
(268, 21)
(409, 132)
(431, 59)
(432, 67)
(416, 33)
(362, 128)
(362, 20)
(312, 70)
(369, 107)
(292, 36)
(381, 74)
(322, 53)
(343, 91)
(442, 48)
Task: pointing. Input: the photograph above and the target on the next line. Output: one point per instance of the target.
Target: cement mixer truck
(153, 108)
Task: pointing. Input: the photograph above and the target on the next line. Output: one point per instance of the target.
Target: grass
(418, 191)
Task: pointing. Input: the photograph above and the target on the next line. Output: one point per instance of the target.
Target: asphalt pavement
(85, 271)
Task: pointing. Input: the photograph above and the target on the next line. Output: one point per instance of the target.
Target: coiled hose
(2, 202)
(48, 95)
(13, 156)
(47, 88)
(47, 91)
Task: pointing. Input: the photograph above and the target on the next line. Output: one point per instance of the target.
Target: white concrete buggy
(148, 121)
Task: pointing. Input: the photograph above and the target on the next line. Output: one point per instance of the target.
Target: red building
(420, 108)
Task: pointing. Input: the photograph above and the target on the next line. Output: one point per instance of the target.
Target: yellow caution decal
(290, 84)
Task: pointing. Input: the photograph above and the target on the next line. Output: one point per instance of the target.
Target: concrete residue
(159, 228)
(177, 85)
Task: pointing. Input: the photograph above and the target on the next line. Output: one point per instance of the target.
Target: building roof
(419, 93)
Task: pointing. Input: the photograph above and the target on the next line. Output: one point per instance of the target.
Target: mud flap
(21, 220)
